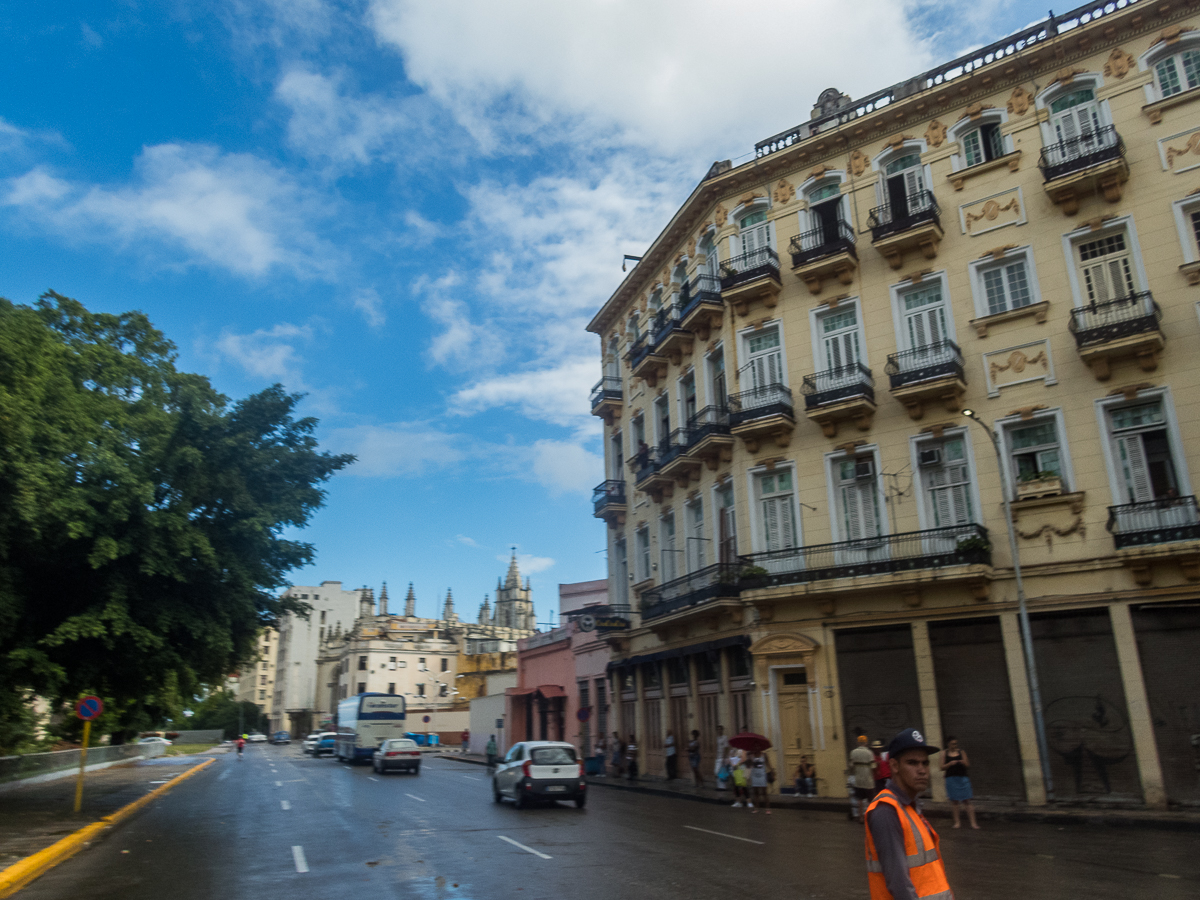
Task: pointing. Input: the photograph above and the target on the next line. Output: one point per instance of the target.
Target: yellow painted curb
(21, 873)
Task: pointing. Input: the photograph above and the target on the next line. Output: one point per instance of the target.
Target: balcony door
(765, 366)
(777, 520)
(1075, 120)
(717, 391)
(946, 484)
(1106, 268)
(1147, 470)
(754, 230)
(668, 560)
(905, 184)
(687, 398)
(824, 208)
(696, 553)
(839, 338)
(858, 499)
(726, 527)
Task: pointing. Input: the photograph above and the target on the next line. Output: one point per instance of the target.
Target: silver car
(540, 770)
(397, 753)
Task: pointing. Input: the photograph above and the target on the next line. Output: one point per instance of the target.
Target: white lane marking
(298, 859)
(523, 847)
(474, 777)
(284, 804)
(415, 797)
(1168, 875)
(223, 775)
(279, 784)
(158, 782)
(723, 834)
(345, 767)
(372, 778)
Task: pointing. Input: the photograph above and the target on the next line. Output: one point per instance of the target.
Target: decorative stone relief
(1020, 101)
(974, 111)
(1067, 75)
(989, 213)
(818, 171)
(720, 214)
(784, 192)
(691, 248)
(749, 197)
(896, 141)
(859, 162)
(1119, 64)
(1171, 34)
(935, 134)
(1180, 152)
(1018, 365)
(1048, 531)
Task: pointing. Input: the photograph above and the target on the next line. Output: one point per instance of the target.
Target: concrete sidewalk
(1061, 813)
(34, 816)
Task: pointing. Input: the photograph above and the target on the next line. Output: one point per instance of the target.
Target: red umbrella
(748, 740)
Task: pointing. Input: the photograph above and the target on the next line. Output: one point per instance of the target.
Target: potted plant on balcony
(974, 547)
(751, 576)
(1039, 484)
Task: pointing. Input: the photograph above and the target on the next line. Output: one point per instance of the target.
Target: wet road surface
(279, 824)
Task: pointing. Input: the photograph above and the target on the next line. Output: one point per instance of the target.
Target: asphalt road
(278, 824)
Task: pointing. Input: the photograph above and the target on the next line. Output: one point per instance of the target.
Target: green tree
(221, 709)
(143, 515)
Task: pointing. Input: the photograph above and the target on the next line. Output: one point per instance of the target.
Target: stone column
(639, 718)
(1140, 722)
(930, 713)
(1018, 686)
(724, 701)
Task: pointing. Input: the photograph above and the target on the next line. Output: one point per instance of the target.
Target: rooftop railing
(824, 240)
(608, 493)
(1099, 323)
(607, 388)
(838, 384)
(937, 360)
(760, 263)
(918, 208)
(1075, 155)
(759, 403)
(1161, 521)
(842, 112)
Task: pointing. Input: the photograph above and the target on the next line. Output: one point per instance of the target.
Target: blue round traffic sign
(89, 708)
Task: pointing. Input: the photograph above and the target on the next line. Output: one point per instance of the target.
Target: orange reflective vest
(925, 868)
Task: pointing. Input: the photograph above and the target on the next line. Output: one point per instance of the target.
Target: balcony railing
(935, 548)
(838, 384)
(672, 446)
(759, 403)
(918, 208)
(718, 580)
(1099, 323)
(760, 263)
(644, 464)
(701, 289)
(710, 420)
(938, 360)
(639, 351)
(608, 493)
(665, 321)
(607, 388)
(1159, 521)
(1087, 150)
(822, 241)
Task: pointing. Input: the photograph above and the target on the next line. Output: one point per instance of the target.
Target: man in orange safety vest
(903, 859)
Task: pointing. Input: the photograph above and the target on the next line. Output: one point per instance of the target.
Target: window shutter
(1133, 465)
(971, 148)
(770, 510)
(914, 186)
(995, 140)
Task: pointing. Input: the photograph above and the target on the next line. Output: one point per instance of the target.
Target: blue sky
(409, 211)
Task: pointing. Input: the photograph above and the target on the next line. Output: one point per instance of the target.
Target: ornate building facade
(808, 533)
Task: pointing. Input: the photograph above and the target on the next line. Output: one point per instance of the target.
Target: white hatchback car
(540, 770)
(397, 753)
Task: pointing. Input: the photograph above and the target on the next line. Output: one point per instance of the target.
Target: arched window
(823, 221)
(1176, 66)
(904, 185)
(1078, 126)
(979, 139)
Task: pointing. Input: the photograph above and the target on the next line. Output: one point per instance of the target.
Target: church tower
(383, 601)
(485, 611)
(448, 613)
(366, 603)
(410, 603)
(514, 601)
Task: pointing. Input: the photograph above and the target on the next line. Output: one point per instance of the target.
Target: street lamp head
(969, 413)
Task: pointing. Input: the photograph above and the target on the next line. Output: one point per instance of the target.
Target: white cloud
(460, 341)
(368, 302)
(558, 395)
(229, 210)
(564, 467)
(463, 539)
(529, 565)
(400, 449)
(268, 353)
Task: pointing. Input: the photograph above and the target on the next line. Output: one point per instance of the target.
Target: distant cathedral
(514, 602)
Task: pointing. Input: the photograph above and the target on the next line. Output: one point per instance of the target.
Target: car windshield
(553, 756)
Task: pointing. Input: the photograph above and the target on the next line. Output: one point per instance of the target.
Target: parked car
(281, 737)
(398, 753)
(154, 740)
(257, 737)
(326, 743)
(310, 743)
(540, 770)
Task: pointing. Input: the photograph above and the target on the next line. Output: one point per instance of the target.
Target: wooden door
(794, 733)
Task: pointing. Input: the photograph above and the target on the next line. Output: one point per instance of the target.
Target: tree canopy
(143, 515)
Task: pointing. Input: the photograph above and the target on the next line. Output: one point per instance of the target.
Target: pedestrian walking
(491, 750)
(241, 745)
(672, 759)
(904, 860)
(693, 749)
(862, 767)
(883, 771)
(600, 754)
(631, 760)
(617, 749)
(466, 740)
(761, 777)
(722, 758)
(958, 783)
(741, 781)
(806, 778)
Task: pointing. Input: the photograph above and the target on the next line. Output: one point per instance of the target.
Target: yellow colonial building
(808, 533)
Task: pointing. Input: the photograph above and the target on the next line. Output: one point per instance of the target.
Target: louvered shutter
(914, 187)
(858, 505)
(1132, 454)
(1108, 279)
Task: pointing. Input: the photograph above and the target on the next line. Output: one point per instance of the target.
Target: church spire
(514, 573)
(448, 611)
(366, 602)
(383, 600)
(485, 611)
(410, 602)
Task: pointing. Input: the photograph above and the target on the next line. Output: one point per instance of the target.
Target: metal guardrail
(701, 289)
(607, 388)
(759, 403)
(1161, 521)
(720, 580)
(838, 384)
(918, 209)
(960, 67)
(640, 350)
(822, 241)
(760, 263)
(1099, 323)
(937, 360)
(606, 493)
(29, 765)
(1087, 150)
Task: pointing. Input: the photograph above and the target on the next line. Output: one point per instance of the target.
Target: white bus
(365, 721)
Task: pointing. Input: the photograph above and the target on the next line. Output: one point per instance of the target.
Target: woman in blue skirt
(958, 784)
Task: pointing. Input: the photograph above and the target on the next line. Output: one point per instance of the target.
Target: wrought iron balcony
(708, 421)
(608, 494)
(720, 580)
(644, 464)
(1099, 323)
(838, 384)
(935, 548)
(822, 241)
(665, 321)
(672, 447)
(942, 359)
(1161, 521)
(760, 263)
(1089, 149)
(918, 209)
(760, 403)
(607, 388)
(639, 351)
(701, 289)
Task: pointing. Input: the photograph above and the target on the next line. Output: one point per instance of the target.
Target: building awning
(518, 692)
(551, 690)
(737, 640)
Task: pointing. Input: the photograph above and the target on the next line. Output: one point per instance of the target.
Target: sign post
(88, 708)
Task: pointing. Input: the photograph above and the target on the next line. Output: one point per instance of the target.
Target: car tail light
(392, 753)
(581, 770)
(525, 768)
(414, 752)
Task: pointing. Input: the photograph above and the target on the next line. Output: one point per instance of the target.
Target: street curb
(22, 873)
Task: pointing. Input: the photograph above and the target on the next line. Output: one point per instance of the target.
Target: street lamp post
(1031, 674)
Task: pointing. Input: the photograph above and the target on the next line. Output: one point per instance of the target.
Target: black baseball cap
(910, 739)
